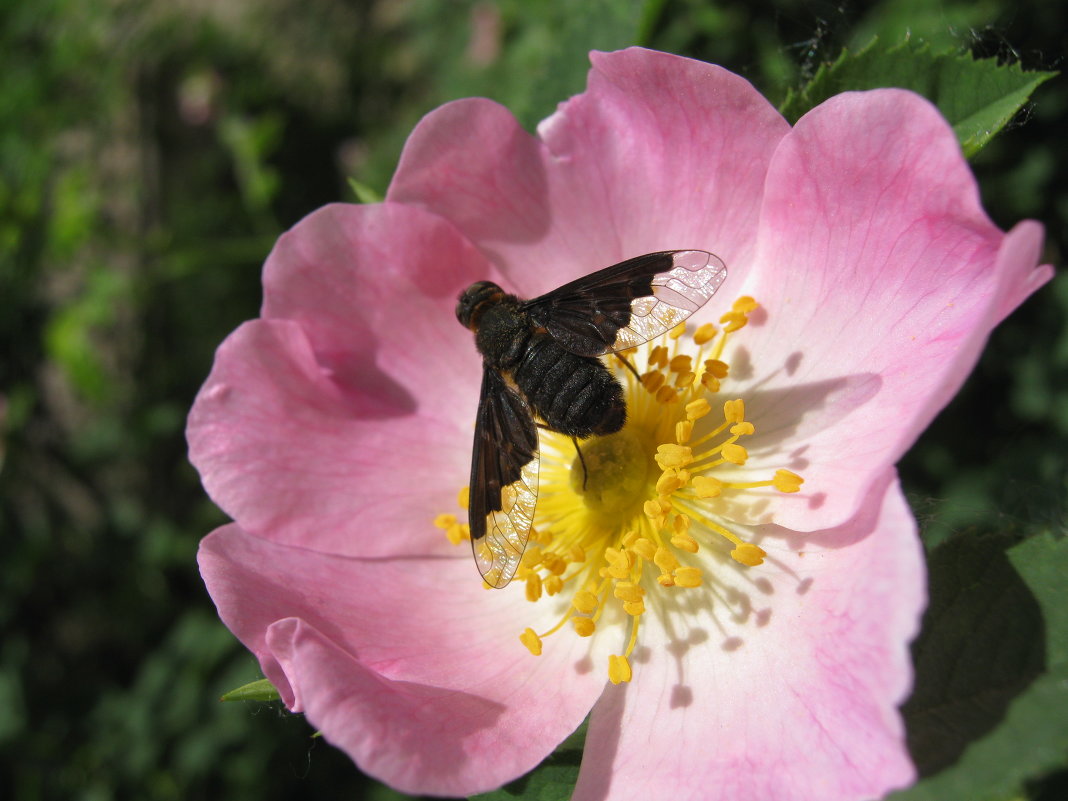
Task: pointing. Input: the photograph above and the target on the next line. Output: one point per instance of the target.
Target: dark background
(150, 154)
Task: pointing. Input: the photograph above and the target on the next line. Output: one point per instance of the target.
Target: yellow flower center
(630, 524)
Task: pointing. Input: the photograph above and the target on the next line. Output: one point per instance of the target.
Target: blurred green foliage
(150, 154)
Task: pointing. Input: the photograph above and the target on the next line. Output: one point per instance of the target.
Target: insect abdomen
(574, 395)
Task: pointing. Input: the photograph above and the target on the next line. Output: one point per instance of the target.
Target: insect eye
(473, 297)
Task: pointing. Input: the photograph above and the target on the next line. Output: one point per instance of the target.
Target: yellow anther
(617, 571)
(653, 381)
(677, 331)
(665, 580)
(630, 538)
(685, 380)
(688, 577)
(618, 669)
(584, 601)
(458, 532)
(542, 536)
(576, 553)
(670, 455)
(616, 558)
(717, 368)
(683, 431)
(745, 304)
(665, 560)
(658, 356)
(683, 363)
(445, 521)
(668, 482)
(734, 411)
(531, 557)
(531, 640)
(733, 321)
(696, 409)
(552, 584)
(742, 429)
(666, 395)
(644, 548)
(584, 626)
(710, 382)
(786, 481)
(733, 453)
(533, 587)
(634, 608)
(748, 554)
(628, 591)
(554, 563)
(704, 333)
(707, 487)
(463, 497)
(684, 542)
(680, 524)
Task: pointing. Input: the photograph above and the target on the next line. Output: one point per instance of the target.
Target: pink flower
(336, 429)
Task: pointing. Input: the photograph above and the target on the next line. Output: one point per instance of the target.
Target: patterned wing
(629, 303)
(504, 479)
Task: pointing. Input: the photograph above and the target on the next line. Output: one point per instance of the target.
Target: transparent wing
(629, 303)
(504, 479)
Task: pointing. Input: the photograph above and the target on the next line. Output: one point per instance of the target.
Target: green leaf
(261, 690)
(547, 62)
(553, 780)
(977, 96)
(363, 192)
(1030, 737)
(1043, 563)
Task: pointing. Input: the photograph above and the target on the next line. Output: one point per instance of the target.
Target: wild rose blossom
(755, 628)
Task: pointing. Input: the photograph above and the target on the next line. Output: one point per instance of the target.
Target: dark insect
(540, 360)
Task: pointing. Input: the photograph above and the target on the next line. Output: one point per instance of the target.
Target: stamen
(531, 640)
(704, 334)
(786, 481)
(584, 626)
(748, 554)
(655, 495)
(618, 669)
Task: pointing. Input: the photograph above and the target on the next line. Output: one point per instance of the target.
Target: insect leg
(628, 365)
(582, 461)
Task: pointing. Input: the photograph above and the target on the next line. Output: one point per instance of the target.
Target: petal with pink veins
(374, 288)
(786, 689)
(659, 153)
(291, 455)
(880, 278)
(325, 420)
(403, 663)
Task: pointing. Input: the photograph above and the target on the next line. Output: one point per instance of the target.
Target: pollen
(531, 640)
(619, 669)
(646, 514)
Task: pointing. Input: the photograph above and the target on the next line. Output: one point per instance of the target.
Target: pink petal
(374, 288)
(405, 663)
(660, 152)
(881, 277)
(290, 454)
(795, 699)
(1020, 250)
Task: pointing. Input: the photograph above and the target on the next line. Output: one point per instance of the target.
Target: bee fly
(540, 360)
